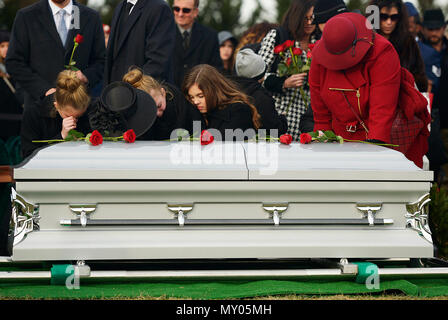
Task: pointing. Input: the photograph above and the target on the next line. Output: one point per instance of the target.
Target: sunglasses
(392, 17)
(184, 10)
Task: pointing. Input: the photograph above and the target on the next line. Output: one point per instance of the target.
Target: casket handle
(276, 209)
(180, 210)
(82, 210)
(369, 210)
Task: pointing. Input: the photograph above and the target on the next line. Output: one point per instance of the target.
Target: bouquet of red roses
(292, 63)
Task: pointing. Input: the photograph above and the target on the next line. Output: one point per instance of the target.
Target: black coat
(270, 119)
(44, 125)
(146, 41)
(233, 116)
(10, 110)
(203, 49)
(179, 114)
(36, 54)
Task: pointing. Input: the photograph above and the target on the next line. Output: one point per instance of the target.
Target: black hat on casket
(122, 107)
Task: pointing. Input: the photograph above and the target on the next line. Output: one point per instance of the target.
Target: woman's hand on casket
(295, 81)
(68, 124)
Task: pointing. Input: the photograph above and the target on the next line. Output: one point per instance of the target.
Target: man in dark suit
(42, 41)
(142, 35)
(195, 43)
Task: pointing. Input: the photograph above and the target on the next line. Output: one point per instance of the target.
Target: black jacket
(203, 49)
(230, 117)
(38, 124)
(36, 54)
(146, 41)
(179, 114)
(10, 109)
(270, 119)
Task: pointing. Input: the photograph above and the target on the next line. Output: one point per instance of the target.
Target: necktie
(186, 42)
(62, 29)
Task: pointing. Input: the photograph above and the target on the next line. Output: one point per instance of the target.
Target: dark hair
(294, 18)
(404, 43)
(218, 90)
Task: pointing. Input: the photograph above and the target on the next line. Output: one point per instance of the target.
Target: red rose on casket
(95, 138)
(285, 138)
(206, 138)
(129, 136)
(305, 138)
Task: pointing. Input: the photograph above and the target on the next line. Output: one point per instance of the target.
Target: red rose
(279, 48)
(129, 136)
(309, 55)
(79, 38)
(288, 62)
(95, 138)
(206, 138)
(305, 138)
(297, 51)
(311, 46)
(285, 138)
(289, 44)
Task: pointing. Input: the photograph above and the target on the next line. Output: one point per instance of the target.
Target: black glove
(375, 141)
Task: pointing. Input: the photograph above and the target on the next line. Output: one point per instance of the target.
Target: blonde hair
(218, 90)
(138, 80)
(70, 91)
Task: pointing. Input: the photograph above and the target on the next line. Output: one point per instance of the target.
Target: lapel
(46, 18)
(132, 19)
(69, 44)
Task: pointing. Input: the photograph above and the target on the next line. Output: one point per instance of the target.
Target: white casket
(181, 200)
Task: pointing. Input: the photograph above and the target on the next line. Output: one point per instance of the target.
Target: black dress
(41, 123)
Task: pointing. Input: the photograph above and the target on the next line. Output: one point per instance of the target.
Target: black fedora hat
(136, 109)
(433, 19)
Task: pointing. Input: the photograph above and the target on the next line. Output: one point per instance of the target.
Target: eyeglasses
(309, 19)
(392, 17)
(184, 10)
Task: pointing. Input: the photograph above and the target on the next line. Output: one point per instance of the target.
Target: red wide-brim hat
(346, 39)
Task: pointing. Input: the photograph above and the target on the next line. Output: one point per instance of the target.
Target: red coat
(377, 80)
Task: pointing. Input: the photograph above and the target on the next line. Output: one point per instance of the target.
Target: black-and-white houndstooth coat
(282, 100)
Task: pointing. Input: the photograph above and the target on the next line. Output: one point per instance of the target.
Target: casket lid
(142, 160)
(157, 160)
(332, 161)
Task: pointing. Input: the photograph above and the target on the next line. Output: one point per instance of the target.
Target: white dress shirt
(68, 13)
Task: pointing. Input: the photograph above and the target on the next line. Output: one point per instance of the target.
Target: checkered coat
(283, 100)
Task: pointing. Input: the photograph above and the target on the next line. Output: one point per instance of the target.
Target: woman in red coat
(354, 80)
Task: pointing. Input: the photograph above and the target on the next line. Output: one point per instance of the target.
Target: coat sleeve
(385, 75)
(17, 60)
(34, 127)
(321, 113)
(95, 70)
(160, 40)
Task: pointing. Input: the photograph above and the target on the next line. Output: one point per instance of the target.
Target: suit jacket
(203, 49)
(36, 54)
(146, 41)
